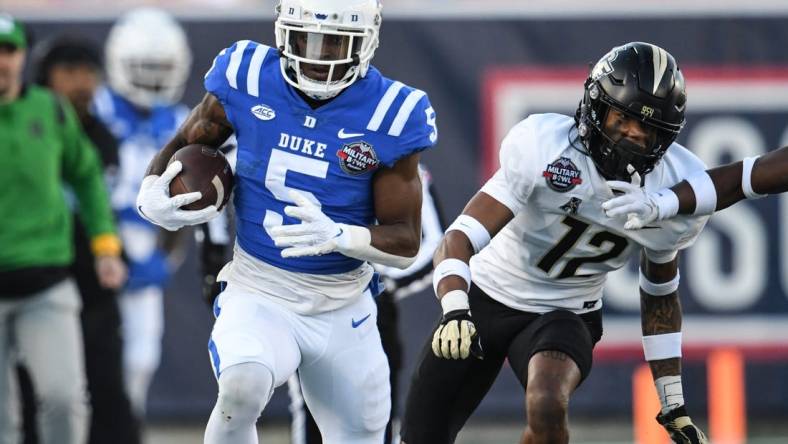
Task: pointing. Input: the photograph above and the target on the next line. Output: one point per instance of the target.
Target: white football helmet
(325, 45)
(148, 58)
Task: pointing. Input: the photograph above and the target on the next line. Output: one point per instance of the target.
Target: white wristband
(705, 193)
(664, 346)
(455, 300)
(448, 267)
(746, 178)
(473, 229)
(660, 257)
(667, 203)
(661, 289)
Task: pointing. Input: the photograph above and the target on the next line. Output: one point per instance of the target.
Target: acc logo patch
(357, 158)
(562, 175)
(263, 112)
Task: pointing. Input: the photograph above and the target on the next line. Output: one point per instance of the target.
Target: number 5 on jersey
(279, 164)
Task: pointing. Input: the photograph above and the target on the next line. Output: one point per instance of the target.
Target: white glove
(155, 205)
(315, 236)
(639, 206)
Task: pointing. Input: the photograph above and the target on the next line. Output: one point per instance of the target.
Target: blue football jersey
(140, 135)
(329, 154)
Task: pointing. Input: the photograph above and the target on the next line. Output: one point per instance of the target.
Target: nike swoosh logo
(343, 135)
(356, 323)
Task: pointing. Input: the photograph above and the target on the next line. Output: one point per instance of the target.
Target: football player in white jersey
(704, 192)
(326, 182)
(520, 273)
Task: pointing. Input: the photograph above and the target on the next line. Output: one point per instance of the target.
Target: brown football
(205, 169)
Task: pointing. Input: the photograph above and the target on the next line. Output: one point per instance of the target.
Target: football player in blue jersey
(148, 60)
(326, 181)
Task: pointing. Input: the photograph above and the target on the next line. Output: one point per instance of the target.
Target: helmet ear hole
(681, 104)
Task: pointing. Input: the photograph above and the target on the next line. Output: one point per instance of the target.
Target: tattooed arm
(660, 312)
(207, 124)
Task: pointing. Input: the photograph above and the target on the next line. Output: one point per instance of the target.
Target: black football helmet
(644, 82)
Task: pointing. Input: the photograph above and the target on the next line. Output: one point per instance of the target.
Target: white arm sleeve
(358, 244)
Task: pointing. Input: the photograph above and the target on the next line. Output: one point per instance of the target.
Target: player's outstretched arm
(660, 312)
(207, 124)
(767, 175)
(482, 219)
(704, 192)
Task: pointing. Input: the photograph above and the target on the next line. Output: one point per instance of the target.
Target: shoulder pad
(237, 67)
(405, 113)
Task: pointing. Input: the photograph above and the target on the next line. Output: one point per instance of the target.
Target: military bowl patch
(357, 158)
(562, 175)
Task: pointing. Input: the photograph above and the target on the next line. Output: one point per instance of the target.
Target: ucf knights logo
(357, 158)
(562, 175)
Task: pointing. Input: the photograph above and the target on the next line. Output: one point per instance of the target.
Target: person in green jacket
(43, 148)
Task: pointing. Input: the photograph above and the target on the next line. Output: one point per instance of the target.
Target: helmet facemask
(323, 54)
(154, 81)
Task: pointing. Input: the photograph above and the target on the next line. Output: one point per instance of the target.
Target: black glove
(456, 337)
(680, 427)
(210, 289)
(213, 259)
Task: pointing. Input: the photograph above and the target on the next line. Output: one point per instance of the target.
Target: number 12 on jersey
(576, 229)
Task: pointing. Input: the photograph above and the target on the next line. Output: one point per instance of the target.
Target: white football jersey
(558, 249)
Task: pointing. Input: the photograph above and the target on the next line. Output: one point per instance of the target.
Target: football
(205, 169)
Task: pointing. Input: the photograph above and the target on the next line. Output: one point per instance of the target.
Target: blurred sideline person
(147, 62)
(43, 147)
(326, 183)
(540, 247)
(703, 192)
(398, 284)
(71, 67)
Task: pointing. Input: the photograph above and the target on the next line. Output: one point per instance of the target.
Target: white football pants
(338, 355)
